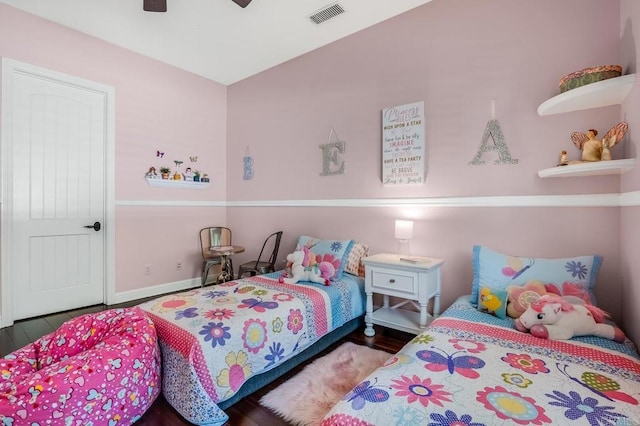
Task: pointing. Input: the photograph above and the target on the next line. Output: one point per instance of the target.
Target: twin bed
(467, 368)
(221, 343)
(471, 368)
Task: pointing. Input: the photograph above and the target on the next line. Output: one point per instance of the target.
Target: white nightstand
(416, 281)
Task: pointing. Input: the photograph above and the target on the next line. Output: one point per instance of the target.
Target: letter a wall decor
(494, 131)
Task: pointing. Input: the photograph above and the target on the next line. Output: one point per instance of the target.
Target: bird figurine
(598, 150)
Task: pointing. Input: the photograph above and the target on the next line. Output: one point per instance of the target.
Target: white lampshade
(404, 229)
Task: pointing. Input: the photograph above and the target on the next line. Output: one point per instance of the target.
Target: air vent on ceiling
(326, 13)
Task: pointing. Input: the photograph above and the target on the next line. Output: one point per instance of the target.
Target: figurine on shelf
(205, 178)
(606, 154)
(188, 175)
(563, 158)
(151, 174)
(595, 150)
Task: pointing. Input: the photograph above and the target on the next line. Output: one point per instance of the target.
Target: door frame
(11, 67)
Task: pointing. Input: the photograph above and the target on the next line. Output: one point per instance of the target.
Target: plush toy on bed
(521, 296)
(299, 272)
(552, 317)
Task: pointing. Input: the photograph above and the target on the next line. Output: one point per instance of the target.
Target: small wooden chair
(211, 237)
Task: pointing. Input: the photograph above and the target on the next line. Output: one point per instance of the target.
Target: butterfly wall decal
(159, 154)
(462, 364)
(178, 162)
(600, 384)
(257, 304)
(365, 392)
(516, 267)
(193, 159)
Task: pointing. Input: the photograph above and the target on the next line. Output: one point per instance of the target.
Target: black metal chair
(259, 267)
(211, 237)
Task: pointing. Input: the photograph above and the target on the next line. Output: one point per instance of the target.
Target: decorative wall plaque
(403, 148)
(247, 163)
(494, 131)
(332, 163)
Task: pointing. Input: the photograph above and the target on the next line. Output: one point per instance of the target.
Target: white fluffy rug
(304, 399)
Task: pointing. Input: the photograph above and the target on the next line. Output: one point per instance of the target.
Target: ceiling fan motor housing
(161, 5)
(155, 5)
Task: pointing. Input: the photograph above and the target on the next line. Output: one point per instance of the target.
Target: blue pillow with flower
(574, 276)
(333, 253)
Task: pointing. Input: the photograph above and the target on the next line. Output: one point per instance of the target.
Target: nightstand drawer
(394, 282)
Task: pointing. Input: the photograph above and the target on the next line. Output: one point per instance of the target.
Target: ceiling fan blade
(242, 3)
(155, 5)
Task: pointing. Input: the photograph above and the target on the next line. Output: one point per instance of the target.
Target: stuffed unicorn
(301, 273)
(552, 317)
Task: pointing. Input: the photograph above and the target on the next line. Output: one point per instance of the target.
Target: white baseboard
(157, 290)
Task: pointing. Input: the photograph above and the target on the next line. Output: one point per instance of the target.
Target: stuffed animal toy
(327, 269)
(488, 301)
(520, 297)
(301, 273)
(576, 293)
(552, 317)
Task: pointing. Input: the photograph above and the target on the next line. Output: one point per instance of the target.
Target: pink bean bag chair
(98, 369)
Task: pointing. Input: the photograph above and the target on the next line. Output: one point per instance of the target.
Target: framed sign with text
(403, 144)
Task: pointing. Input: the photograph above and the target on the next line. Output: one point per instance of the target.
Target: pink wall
(456, 56)
(158, 107)
(630, 237)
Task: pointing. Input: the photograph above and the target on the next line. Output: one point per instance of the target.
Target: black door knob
(95, 226)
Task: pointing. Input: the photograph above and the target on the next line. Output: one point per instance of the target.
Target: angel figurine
(595, 150)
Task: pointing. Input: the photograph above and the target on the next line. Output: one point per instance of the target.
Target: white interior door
(56, 188)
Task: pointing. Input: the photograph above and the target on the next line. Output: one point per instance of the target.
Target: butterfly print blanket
(467, 368)
(214, 339)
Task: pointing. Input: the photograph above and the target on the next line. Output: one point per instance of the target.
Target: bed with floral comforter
(214, 339)
(470, 368)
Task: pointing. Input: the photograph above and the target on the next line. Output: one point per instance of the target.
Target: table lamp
(404, 233)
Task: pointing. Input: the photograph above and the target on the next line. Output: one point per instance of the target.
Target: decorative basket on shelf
(588, 76)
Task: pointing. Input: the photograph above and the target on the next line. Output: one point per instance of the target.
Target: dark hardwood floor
(246, 412)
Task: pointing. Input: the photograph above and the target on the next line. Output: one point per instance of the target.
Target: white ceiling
(216, 39)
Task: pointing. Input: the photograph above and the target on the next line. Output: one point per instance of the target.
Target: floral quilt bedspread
(461, 372)
(214, 339)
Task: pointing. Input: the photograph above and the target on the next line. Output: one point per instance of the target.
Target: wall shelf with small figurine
(611, 167)
(607, 92)
(595, 95)
(170, 183)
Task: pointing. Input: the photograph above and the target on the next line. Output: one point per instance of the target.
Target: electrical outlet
(179, 265)
(147, 269)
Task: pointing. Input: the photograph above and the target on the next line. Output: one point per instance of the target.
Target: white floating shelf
(600, 94)
(611, 167)
(169, 183)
